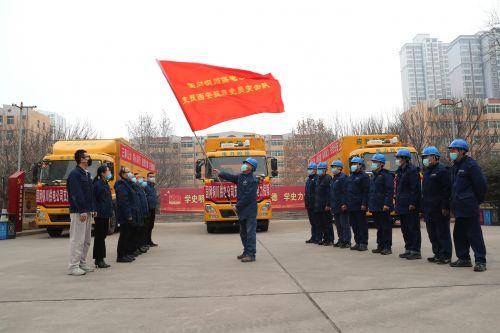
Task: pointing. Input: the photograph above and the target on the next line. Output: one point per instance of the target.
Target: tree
(155, 138)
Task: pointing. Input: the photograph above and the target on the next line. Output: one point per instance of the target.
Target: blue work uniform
(309, 193)
(152, 204)
(337, 200)
(408, 194)
(80, 191)
(436, 190)
(468, 188)
(141, 229)
(246, 207)
(358, 190)
(382, 194)
(104, 210)
(321, 202)
(127, 211)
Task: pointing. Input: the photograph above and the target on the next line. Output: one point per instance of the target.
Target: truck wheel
(263, 225)
(112, 226)
(55, 232)
(211, 229)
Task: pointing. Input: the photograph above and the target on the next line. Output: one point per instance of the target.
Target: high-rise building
(491, 62)
(423, 64)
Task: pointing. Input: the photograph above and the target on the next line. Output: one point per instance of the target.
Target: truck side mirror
(36, 172)
(274, 167)
(198, 165)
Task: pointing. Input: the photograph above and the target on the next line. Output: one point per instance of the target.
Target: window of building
(188, 144)
(1, 120)
(276, 153)
(9, 135)
(38, 123)
(10, 120)
(187, 155)
(187, 166)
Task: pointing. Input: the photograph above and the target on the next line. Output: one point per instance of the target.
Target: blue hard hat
(337, 163)
(252, 162)
(460, 144)
(322, 165)
(312, 166)
(357, 159)
(379, 158)
(403, 153)
(431, 150)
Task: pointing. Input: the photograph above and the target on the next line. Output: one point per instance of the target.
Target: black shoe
(461, 263)
(355, 247)
(442, 261)
(143, 249)
(101, 264)
(345, 245)
(130, 257)
(377, 250)
(338, 244)
(321, 242)
(309, 241)
(328, 243)
(413, 256)
(247, 259)
(363, 247)
(241, 256)
(385, 252)
(137, 253)
(152, 244)
(480, 267)
(404, 255)
(124, 259)
(433, 259)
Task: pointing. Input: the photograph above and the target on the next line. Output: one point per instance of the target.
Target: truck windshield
(390, 161)
(233, 165)
(56, 172)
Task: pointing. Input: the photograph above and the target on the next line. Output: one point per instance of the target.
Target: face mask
(398, 162)
(144, 184)
(130, 175)
(134, 180)
(152, 180)
(310, 172)
(109, 176)
(335, 171)
(244, 167)
(140, 180)
(453, 156)
(354, 167)
(374, 166)
(425, 162)
(321, 172)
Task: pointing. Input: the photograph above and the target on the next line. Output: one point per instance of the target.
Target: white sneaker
(77, 272)
(86, 268)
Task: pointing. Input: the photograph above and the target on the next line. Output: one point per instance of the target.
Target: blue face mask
(398, 162)
(335, 171)
(244, 167)
(109, 176)
(374, 166)
(453, 156)
(321, 172)
(310, 172)
(354, 168)
(134, 180)
(144, 184)
(425, 162)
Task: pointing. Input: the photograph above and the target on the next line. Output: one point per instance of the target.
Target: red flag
(209, 95)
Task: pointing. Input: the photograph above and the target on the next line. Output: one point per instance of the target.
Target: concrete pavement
(192, 282)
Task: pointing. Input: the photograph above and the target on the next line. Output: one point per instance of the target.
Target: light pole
(21, 124)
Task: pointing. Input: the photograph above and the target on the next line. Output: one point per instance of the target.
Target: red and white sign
(217, 192)
(130, 155)
(326, 153)
(181, 200)
(52, 195)
(15, 189)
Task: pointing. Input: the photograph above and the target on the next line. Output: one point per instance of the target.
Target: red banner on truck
(180, 200)
(130, 155)
(324, 154)
(52, 195)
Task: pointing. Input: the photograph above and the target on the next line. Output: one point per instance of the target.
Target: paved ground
(193, 283)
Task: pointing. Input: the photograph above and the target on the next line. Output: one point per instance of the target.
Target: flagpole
(216, 174)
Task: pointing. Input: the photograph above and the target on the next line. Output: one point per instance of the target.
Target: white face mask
(398, 162)
(335, 171)
(152, 179)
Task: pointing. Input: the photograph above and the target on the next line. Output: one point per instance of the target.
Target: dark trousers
(101, 227)
(248, 235)
(438, 229)
(467, 234)
(314, 225)
(151, 225)
(343, 228)
(359, 225)
(325, 227)
(384, 229)
(410, 227)
(124, 241)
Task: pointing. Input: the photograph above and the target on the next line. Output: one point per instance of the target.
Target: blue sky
(96, 59)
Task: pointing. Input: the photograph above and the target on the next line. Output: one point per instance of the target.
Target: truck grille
(227, 213)
(59, 217)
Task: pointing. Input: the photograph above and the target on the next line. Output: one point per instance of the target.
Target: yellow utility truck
(52, 210)
(227, 154)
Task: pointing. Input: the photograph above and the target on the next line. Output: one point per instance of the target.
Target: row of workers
(441, 191)
(91, 203)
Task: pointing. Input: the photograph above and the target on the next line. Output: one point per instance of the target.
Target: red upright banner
(16, 198)
(209, 95)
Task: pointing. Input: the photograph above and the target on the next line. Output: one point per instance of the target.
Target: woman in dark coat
(104, 208)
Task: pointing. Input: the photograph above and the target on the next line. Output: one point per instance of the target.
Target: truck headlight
(266, 207)
(209, 209)
(40, 214)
